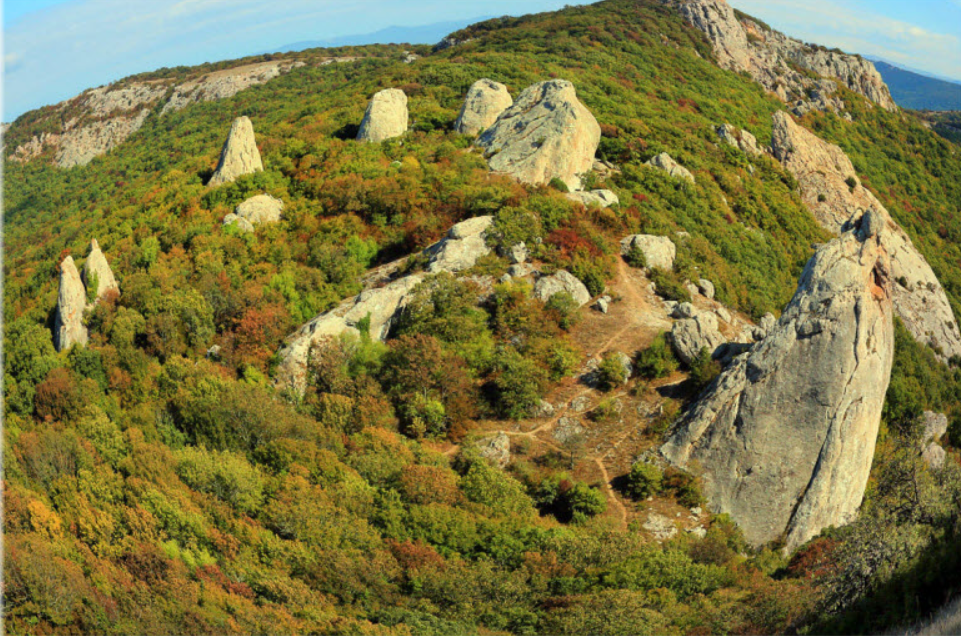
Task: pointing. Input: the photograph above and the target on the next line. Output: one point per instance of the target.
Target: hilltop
(295, 344)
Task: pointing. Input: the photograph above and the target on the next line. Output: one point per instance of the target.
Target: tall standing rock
(68, 326)
(831, 190)
(548, 133)
(484, 103)
(239, 155)
(97, 268)
(386, 116)
(785, 436)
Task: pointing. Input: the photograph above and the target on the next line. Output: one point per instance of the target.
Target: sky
(55, 49)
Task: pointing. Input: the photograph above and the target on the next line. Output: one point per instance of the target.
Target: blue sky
(54, 49)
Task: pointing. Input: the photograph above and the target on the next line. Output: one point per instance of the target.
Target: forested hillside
(157, 481)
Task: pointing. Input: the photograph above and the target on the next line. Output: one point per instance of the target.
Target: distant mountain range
(918, 91)
(423, 34)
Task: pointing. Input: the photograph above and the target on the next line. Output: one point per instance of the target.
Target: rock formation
(831, 190)
(561, 281)
(457, 251)
(745, 45)
(262, 208)
(485, 101)
(463, 245)
(741, 139)
(103, 118)
(785, 436)
(386, 116)
(548, 133)
(97, 268)
(600, 198)
(690, 335)
(239, 155)
(659, 251)
(664, 162)
(68, 328)
(496, 449)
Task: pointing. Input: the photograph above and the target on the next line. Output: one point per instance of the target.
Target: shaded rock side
(745, 45)
(386, 116)
(256, 210)
(785, 436)
(831, 190)
(97, 268)
(68, 328)
(484, 103)
(548, 133)
(240, 155)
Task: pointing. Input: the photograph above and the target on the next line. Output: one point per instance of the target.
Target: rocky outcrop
(768, 56)
(464, 244)
(96, 268)
(561, 281)
(740, 139)
(785, 436)
(692, 334)
(485, 101)
(457, 251)
(599, 198)
(496, 449)
(239, 155)
(548, 133)
(256, 210)
(386, 116)
(98, 120)
(226, 83)
(831, 190)
(664, 162)
(68, 328)
(659, 251)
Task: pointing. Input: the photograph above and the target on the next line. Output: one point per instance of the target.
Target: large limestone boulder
(600, 198)
(561, 281)
(239, 156)
(68, 328)
(386, 116)
(831, 190)
(785, 436)
(96, 268)
(464, 244)
(659, 251)
(548, 133)
(485, 101)
(690, 335)
(256, 210)
(664, 162)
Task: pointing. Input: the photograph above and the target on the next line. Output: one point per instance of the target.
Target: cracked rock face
(239, 156)
(96, 267)
(744, 45)
(548, 133)
(386, 116)
(485, 101)
(831, 190)
(71, 301)
(785, 436)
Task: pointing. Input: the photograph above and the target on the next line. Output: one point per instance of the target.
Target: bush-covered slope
(149, 489)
